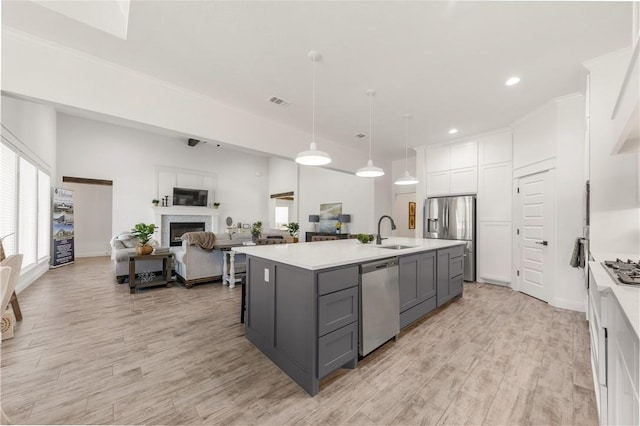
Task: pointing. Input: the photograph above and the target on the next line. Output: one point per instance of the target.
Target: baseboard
(30, 275)
(488, 280)
(92, 254)
(572, 305)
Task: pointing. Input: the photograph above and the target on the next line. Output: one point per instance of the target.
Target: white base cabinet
(623, 366)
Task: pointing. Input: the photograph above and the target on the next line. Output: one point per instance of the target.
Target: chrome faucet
(393, 227)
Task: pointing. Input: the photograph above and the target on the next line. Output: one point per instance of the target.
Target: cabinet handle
(544, 243)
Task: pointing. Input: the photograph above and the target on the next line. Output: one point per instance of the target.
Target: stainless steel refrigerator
(454, 218)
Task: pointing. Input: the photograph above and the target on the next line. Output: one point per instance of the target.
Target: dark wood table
(148, 278)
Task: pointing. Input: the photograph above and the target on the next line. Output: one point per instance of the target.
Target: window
(282, 216)
(8, 198)
(25, 208)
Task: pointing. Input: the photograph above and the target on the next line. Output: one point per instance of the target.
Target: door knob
(544, 243)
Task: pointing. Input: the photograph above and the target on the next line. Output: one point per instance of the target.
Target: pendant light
(406, 179)
(370, 170)
(313, 157)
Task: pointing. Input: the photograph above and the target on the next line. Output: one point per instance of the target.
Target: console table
(148, 279)
(308, 235)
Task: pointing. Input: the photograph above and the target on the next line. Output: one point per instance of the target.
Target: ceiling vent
(193, 142)
(278, 101)
(361, 136)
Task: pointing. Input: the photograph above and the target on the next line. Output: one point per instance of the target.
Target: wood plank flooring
(88, 352)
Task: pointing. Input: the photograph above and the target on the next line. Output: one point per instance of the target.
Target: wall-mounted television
(190, 197)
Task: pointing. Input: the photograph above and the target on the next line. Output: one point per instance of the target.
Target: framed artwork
(329, 213)
(412, 215)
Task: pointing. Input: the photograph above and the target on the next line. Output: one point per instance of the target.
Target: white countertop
(327, 254)
(627, 296)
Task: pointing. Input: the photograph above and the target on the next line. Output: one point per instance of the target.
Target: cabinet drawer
(455, 286)
(337, 348)
(337, 309)
(456, 251)
(338, 279)
(456, 266)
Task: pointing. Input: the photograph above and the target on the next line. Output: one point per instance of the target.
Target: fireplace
(177, 229)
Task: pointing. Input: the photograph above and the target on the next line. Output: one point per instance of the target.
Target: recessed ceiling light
(512, 81)
(453, 131)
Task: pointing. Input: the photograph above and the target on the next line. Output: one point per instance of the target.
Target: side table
(148, 279)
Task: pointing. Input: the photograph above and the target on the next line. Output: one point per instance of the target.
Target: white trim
(545, 105)
(573, 305)
(29, 275)
(531, 169)
(92, 254)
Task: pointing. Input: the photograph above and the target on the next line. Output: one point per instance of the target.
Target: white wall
(615, 203)
(34, 127)
(536, 138)
(92, 149)
(318, 186)
(569, 290)
(283, 177)
(31, 128)
(92, 218)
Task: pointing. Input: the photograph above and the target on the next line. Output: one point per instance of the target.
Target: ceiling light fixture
(453, 131)
(406, 179)
(370, 170)
(313, 157)
(512, 81)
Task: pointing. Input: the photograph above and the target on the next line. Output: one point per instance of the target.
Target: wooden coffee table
(148, 279)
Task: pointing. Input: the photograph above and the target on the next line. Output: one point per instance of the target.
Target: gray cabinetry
(417, 286)
(450, 271)
(305, 321)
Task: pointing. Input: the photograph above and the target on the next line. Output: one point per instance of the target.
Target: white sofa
(124, 244)
(194, 265)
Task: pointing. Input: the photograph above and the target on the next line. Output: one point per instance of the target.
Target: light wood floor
(89, 352)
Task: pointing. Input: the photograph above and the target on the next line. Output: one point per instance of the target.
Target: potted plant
(256, 231)
(143, 232)
(216, 205)
(293, 228)
(155, 202)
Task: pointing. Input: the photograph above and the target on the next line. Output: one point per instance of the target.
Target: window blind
(8, 181)
(28, 212)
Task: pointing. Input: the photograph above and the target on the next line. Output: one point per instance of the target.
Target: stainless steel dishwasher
(380, 303)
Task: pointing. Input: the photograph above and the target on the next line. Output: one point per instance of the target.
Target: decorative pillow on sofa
(134, 242)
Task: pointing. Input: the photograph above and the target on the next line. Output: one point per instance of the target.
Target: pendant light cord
(370, 132)
(313, 103)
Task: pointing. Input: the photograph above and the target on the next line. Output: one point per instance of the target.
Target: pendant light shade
(406, 178)
(313, 157)
(370, 170)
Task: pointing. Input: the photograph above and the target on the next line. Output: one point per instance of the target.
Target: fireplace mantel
(177, 213)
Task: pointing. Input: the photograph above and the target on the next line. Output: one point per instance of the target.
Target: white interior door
(535, 248)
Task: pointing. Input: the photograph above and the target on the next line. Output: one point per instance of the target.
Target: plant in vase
(256, 231)
(293, 228)
(338, 227)
(155, 202)
(216, 205)
(143, 232)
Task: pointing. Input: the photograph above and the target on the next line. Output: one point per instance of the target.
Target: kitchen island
(303, 300)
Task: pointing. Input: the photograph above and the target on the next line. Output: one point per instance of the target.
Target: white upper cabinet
(464, 155)
(464, 181)
(495, 148)
(438, 158)
(438, 183)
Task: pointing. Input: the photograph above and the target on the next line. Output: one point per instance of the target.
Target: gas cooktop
(623, 272)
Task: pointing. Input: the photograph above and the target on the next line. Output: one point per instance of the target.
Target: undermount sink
(396, 247)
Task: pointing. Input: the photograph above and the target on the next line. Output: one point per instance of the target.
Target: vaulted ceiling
(444, 62)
